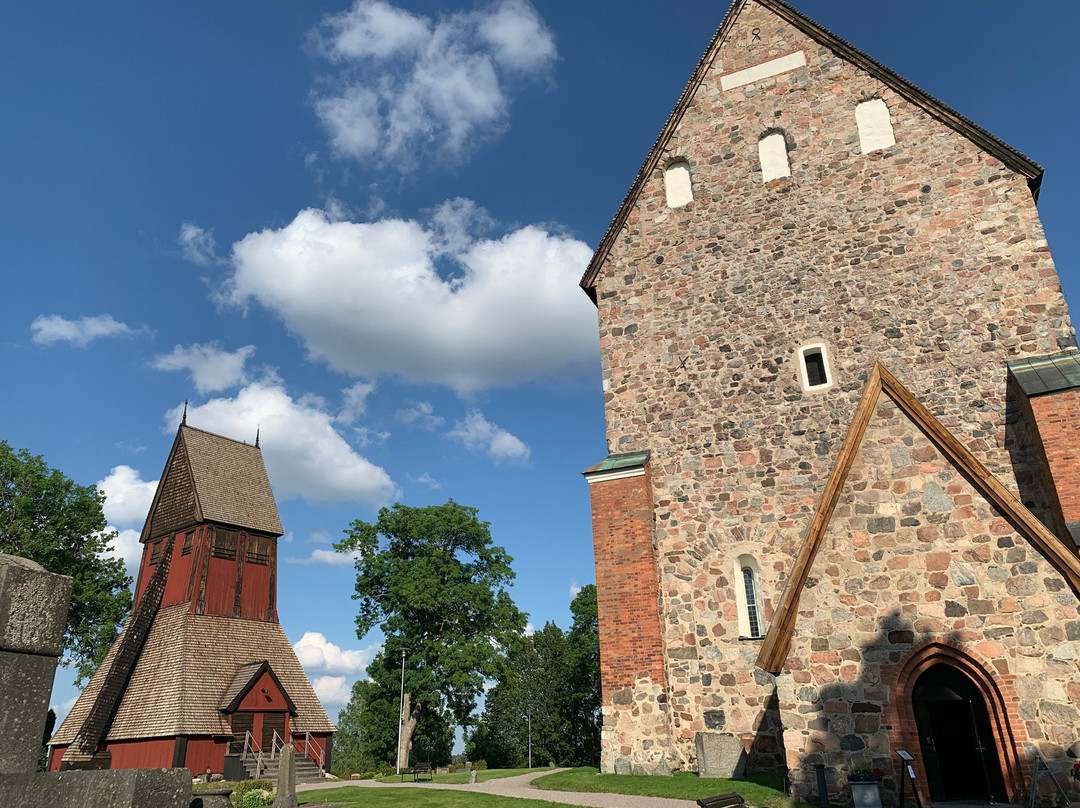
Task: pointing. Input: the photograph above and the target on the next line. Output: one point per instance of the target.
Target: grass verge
(765, 790)
(357, 797)
(462, 777)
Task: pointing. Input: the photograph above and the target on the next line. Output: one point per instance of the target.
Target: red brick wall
(626, 582)
(1057, 419)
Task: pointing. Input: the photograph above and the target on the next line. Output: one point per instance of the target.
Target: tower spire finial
(257, 428)
(183, 420)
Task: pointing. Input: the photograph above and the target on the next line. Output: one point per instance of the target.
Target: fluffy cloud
(574, 589)
(331, 690)
(368, 299)
(305, 456)
(354, 401)
(331, 557)
(479, 434)
(127, 547)
(211, 368)
(80, 333)
(197, 245)
(316, 653)
(127, 496)
(421, 416)
(425, 479)
(408, 85)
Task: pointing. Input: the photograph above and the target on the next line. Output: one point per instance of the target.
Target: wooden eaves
(777, 642)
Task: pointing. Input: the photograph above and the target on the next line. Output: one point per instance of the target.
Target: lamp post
(530, 735)
(401, 712)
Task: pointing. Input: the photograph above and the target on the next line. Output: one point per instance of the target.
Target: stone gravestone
(286, 779)
(719, 755)
(33, 613)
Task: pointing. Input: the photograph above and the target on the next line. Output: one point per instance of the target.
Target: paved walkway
(521, 786)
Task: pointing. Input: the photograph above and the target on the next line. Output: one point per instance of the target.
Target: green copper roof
(615, 462)
(1047, 374)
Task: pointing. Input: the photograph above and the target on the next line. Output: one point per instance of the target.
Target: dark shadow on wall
(767, 753)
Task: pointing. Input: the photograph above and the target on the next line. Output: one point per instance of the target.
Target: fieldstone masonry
(927, 256)
(33, 613)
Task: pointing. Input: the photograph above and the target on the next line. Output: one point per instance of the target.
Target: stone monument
(286, 779)
(33, 613)
(719, 755)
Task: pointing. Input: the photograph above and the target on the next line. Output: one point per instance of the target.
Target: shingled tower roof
(210, 478)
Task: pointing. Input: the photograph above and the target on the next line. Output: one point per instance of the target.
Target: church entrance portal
(956, 739)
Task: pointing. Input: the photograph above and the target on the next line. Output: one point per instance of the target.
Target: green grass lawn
(765, 790)
(462, 777)
(358, 797)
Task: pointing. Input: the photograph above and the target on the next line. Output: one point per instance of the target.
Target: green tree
(435, 584)
(50, 519)
(554, 678)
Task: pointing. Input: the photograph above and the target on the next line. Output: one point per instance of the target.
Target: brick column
(1054, 420)
(635, 736)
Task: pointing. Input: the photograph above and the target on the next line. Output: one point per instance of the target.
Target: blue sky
(359, 227)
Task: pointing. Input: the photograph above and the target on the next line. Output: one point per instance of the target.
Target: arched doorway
(956, 738)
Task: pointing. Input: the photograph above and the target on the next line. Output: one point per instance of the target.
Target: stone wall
(928, 256)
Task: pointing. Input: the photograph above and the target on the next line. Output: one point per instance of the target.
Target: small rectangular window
(815, 368)
(155, 551)
(258, 549)
(224, 543)
(189, 540)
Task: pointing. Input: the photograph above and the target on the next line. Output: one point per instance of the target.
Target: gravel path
(521, 786)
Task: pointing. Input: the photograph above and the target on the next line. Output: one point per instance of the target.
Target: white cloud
(368, 299)
(421, 416)
(316, 653)
(127, 547)
(425, 479)
(127, 496)
(331, 557)
(409, 85)
(530, 629)
(574, 589)
(62, 709)
(331, 689)
(79, 333)
(479, 434)
(211, 368)
(304, 455)
(197, 244)
(354, 401)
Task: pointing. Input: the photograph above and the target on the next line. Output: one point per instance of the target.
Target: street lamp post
(401, 712)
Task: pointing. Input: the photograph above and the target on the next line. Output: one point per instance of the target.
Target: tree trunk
(409, 714)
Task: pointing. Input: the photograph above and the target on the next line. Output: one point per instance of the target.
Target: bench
(417, 770)
(721, 801)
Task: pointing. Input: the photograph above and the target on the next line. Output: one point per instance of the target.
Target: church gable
(174, 506)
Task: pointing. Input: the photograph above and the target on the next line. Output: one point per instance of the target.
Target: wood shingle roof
(186, 668)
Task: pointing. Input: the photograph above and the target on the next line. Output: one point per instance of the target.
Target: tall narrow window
(677, 184)
(772, 152)
(258, 549)
(814, 373)
(189, 540)
(155, 551)
(875, 128)
(748, 598)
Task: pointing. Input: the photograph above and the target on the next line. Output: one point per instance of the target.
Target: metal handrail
(322, 752)
(274, 744)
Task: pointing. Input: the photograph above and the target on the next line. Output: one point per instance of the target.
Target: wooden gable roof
(245, 679)
(1016, 161)
(774, 649)
(212, 478)
(188, 665)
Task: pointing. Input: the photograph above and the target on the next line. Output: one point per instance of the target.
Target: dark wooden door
(272, 722)
(241, 725)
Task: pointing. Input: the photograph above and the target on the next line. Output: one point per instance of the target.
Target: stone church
(839, 516)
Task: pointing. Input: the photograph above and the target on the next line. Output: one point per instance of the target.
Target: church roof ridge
(984, 139)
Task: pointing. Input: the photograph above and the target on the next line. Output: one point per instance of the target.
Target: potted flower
(864, 786)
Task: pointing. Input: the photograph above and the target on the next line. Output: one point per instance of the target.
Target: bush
(245, 787)
(252, 799)
(480, 765)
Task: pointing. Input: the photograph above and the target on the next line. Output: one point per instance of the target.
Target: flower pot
(865, 793)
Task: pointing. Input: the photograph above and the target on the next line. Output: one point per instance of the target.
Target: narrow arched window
(748, 598)
(677, 185)
(772, 152)
(875, 128)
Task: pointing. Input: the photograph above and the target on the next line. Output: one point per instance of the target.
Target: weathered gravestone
(719, 755)
(286, 779)
(33, 612)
